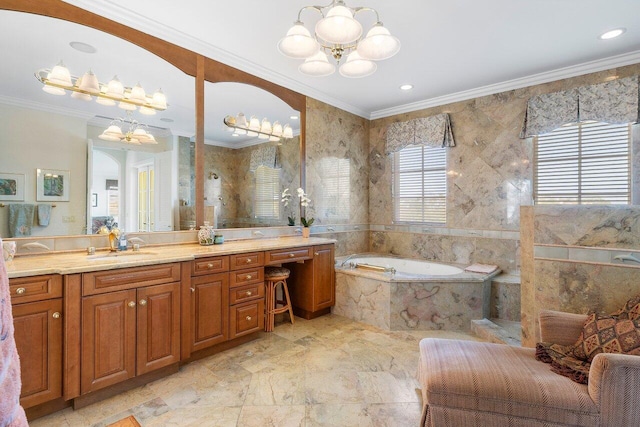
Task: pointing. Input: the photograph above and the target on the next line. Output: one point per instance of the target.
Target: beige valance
(433, 131)
(264, 156)
(612, 102)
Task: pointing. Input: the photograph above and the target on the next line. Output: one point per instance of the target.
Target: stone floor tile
(272, 416)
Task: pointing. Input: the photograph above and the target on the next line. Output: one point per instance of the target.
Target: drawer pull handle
(143, 302)
(132, 304)
(20, 291)
(249, 293)
(248, 260)
(248, 317)
(56, 315)
(291, 255)
(249, 277)
(209, 266)
(316, 253)
(193, 289)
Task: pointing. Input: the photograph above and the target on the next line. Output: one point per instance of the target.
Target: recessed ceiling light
(294, 117)
(166, 119)
(406, 87)
(613, 33)
(83, 47)
(235, 134)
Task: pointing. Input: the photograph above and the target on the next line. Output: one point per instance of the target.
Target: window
(584, 163)
(420, 184)
(267, 197)
(334, 201)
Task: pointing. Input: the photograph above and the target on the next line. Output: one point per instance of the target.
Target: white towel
(481, 268)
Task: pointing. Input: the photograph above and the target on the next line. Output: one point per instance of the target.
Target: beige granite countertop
(80, 262)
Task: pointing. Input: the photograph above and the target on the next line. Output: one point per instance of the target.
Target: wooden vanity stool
(275, 276)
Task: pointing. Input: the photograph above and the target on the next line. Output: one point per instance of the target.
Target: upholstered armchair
(466, 383)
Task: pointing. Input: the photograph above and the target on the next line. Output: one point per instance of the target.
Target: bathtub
(395, 293)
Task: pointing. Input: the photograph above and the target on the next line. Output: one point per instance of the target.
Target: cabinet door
(158, 327)
(108, 339)
(324, 289)
(209, 310)
(38, 335)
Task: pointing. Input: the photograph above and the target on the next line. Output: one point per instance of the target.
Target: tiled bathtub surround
(439, 303)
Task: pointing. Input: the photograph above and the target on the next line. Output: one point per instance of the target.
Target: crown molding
(149, 26)
(535, 79)
(32, 105)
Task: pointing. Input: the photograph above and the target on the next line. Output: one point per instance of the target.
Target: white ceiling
(451, 50)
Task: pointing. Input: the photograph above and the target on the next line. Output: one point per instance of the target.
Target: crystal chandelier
(338, 33)
(254, 127)
(135, 134)
(59, 80)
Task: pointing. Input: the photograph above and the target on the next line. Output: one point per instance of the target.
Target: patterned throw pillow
(607, 334)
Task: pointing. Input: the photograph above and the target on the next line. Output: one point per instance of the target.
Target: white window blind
(420, 185)
(267, 197)
(334, 201)
(585, 163)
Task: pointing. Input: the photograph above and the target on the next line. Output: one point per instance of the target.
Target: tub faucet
(629, 257)
(344, 261)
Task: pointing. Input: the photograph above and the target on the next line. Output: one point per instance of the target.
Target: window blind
(267, 197)
(585, 163)
(335, 199)
(420, 185)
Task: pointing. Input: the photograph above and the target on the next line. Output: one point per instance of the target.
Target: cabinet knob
(248, 317)
(20, 291)
(209, 266)
(291, 255)
(249, 293)
(249, 277)
(132, 304)
(193, 289)
(316, 253)
(143, 302)
(56, 315)
(248, 260)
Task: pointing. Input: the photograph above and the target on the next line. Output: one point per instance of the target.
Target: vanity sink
(118, 255)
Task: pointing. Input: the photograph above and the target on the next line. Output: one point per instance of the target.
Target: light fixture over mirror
(135, 133)
(261, 129)
(339, 34)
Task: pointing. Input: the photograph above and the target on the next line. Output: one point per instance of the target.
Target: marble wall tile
(505, 301)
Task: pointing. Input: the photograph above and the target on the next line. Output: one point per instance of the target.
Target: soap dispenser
(122, 245)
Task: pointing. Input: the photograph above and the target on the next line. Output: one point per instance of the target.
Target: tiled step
(497, 330)
(505, 297)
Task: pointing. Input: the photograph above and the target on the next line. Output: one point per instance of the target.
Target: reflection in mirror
(244, 175)
(44, 131)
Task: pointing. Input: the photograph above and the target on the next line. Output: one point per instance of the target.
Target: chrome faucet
(344, 261)
(629, 257)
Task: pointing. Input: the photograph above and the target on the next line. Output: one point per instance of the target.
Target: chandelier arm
(367, 9)
(316, 8)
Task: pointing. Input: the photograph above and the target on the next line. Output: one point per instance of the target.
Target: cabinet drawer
(247, 318)
(217, 264)
(246, 293)
(128, 278)
(245, 277)
(248, 260)
(289, 255)
(35, 288)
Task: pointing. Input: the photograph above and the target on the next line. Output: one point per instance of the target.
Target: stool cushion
(270, 272)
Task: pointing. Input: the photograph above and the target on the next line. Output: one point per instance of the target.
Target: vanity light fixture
(338, 33)
(58, 81)
(135, 134)
(254, 127)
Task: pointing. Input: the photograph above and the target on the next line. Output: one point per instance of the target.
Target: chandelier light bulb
(379, 44)
(254, 126)
(159, 100)
(80, 95)
(339, 26)
(125, 106)
(89, 83)
(287, 132)
(277, 129)
(265, 129)
(115, 88)
(357, 67)
(298, 42)
(137, 95)
(60, 75)
(317, 65)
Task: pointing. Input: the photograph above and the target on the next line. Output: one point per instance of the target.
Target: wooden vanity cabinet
(37, 319)
(312, 283)
(129, 332)
(209, 310)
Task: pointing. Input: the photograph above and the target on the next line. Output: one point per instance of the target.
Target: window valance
(264, 156)
(433, 131)
(614, 102)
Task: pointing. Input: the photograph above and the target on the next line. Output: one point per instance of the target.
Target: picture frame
(94, 200)
(12, 186)
(52, 185)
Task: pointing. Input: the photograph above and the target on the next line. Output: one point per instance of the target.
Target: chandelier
(135, 134)
(254, 127)
(338, 33)
(59, 80)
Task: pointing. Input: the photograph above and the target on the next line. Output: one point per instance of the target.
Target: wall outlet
(69, 218)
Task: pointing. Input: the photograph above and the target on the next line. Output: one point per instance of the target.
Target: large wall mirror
(166, 186)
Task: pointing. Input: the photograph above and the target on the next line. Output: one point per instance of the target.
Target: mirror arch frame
(189, 62)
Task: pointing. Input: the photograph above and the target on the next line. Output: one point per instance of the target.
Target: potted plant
(306, 222)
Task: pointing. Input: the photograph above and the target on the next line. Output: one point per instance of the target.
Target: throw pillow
(607, 334)
(563, 361)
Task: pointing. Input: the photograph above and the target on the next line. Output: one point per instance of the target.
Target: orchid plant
(304, 202)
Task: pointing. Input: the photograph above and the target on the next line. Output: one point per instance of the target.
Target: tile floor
(329, 371)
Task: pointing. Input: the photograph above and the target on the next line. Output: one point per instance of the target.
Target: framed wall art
(52, 185)
(12, 186)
